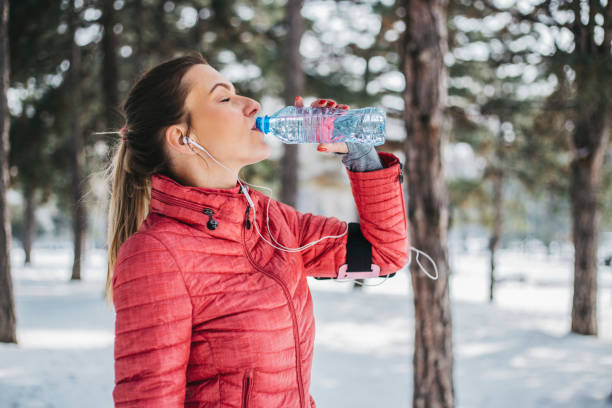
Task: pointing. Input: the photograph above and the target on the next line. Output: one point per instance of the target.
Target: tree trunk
(109, 66)
(590, 138)
(294, 86)
(138, 22)
(30, 223)
(77, 152)
(589, 145)
(197, 29)
(498, 209)
(8, 320)
(163, 44)
(498, 204)
(422, 49)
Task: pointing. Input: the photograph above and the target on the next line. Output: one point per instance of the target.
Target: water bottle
(294, 124)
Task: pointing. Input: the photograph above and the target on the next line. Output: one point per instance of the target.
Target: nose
(252, 107)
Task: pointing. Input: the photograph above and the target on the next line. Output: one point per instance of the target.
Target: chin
(260, 153)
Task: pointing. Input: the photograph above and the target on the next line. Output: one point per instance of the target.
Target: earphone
(252, 205)
(280, 246)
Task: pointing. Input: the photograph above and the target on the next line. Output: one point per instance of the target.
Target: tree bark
(498, 210)
(590, 138)
(294, 86)
(30, 223)
(589, 145)
(163, 46)
(8, 320)
(76, 148)
(422, 50)
(197, 29)
(109, 65)
(138, 22)
(498, 204)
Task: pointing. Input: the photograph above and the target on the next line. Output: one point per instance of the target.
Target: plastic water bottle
(326, 125)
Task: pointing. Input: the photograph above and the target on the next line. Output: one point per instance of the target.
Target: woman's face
(221, 121)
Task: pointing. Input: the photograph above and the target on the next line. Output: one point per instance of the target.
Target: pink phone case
(343, 274)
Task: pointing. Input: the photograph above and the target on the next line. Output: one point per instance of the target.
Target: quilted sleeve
(152, 326)
(379, 199)
(324, 258)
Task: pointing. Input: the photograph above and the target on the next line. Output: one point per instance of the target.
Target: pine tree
(77, 153)
(583, 69)
(35, 68)
(423, 47)
(8, 320)
(494, 111)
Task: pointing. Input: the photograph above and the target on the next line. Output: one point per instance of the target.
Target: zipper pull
(212, 224)
(248, 222)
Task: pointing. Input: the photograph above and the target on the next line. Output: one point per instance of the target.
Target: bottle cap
(263, 124)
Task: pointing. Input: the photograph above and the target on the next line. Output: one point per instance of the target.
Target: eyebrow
(223, 84)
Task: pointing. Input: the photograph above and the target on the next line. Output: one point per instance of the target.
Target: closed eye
(227, 99)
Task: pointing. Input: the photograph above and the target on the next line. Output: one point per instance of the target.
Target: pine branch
(541, 14)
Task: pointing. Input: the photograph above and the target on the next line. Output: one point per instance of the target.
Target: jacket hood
(198, 206)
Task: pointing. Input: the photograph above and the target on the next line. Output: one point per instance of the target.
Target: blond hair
(128, 207)
(156, 101)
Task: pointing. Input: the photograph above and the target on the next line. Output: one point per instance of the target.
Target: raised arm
(382, 224)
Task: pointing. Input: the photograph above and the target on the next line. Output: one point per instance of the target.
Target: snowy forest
(499, 110)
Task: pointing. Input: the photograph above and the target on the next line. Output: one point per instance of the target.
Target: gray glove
(360, 158)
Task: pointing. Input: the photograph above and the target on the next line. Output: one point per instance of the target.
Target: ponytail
(128, 207)
(156, 101)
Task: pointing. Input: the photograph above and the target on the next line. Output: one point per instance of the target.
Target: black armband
(358, 251)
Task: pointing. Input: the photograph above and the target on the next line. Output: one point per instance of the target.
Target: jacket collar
(197, 206)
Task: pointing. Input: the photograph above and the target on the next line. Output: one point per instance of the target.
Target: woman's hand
(326, 103)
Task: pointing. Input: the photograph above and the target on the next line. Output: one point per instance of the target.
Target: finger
(299, 102)
(331, 103)
(342, 107)
(319, 103)
(339, 147)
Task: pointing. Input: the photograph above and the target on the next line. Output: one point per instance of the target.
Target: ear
(175, 140)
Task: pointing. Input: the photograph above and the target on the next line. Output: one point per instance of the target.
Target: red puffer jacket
(209, 315)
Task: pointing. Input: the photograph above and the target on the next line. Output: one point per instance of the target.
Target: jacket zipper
(171, 200)
(296, 335)
(401, 180)
(248, 221)
(246, 388)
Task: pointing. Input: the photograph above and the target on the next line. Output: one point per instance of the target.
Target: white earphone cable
(281, 247)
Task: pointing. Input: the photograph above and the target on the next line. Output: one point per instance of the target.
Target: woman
(207, 313)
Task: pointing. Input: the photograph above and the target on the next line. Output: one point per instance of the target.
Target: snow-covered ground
(514, 353)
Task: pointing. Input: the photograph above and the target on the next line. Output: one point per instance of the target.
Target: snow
(515, 352)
